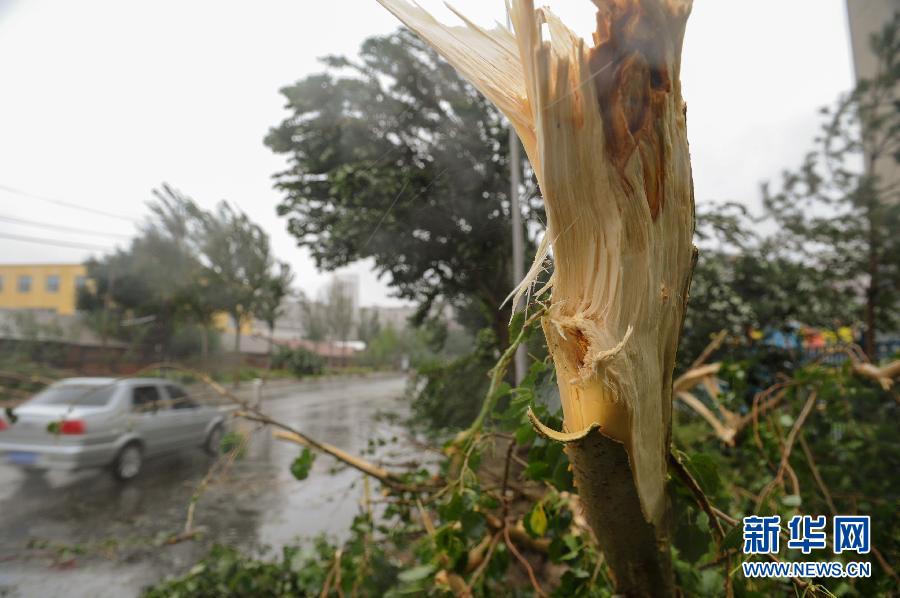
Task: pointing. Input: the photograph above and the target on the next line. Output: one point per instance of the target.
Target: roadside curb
(246, 389)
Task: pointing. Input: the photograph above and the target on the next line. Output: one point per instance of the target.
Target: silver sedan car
(106, 422)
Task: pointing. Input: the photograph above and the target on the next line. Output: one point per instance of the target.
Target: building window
(25, 284)
(53, 283)
(80, 281)
(1, 283)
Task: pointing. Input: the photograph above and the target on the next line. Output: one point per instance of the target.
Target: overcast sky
(103, 100)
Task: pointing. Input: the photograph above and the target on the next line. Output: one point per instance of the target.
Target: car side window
(179, 398)
(145, 398)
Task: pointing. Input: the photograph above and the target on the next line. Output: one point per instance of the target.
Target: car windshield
(91, 395)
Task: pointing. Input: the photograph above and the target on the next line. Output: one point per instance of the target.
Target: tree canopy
(825, 251)
(187, 265)
(237, 257)
(837, 212)
(392, 156)
(137, 293)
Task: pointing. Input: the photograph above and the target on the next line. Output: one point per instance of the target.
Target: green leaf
(502, 391)
(488, 502)
(571, 542)
(565, 548)
(473, 524)
(792, 500)
(453, 509)
(416, 573)
(733, 538)
(562, 475)
(537, 521)
(537, 470)
(230, 442)
(449, 541)
(302, 464)
(692, 538)
(705, 471)
(53, 427)
(515, 325)
(525, 434)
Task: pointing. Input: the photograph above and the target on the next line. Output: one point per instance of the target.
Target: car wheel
(128, 462)
(214, 441)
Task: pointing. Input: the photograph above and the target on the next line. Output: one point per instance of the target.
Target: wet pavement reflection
(84, 534)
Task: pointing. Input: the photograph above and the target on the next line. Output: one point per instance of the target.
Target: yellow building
(41, 286)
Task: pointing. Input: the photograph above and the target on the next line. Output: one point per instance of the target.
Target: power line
(66, 204)
(44, 241)
(69, 229)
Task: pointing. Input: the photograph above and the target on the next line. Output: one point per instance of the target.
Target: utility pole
(107, 305)
(518, 242)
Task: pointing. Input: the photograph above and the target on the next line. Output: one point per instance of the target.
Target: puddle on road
(108, 539)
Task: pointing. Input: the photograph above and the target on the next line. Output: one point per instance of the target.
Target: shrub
(298, 361)
(453, 392)
(361, 568)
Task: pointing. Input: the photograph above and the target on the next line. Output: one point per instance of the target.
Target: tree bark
(870, 347)
(271, 343)
(236, 377)
(500, 324)
(605, 130)
(204, 346)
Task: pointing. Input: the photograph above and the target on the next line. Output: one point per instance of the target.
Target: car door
(188, 419)
(147, 420)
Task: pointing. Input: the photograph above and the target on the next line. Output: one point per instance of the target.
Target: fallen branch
(701, 498)
(788, 448)
(813, 468)
(703, 501)
(485, 560)
(711, 348)
(826, 494)
(498, 373)
(525, 564)
(517, 532)
(694, 376)
(253, 413)
(725, 433)
(223, 462)
(727, 427)
(780, 391)
(882, 375)
(382, 475)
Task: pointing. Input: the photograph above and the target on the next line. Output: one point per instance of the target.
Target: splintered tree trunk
(604, 128)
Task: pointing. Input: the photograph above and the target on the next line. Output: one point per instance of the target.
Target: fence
(834, 356)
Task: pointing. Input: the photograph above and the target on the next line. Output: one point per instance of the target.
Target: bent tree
(604, 127)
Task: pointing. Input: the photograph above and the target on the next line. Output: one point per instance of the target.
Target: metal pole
(518, 241)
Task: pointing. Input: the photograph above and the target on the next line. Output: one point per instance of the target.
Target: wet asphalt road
(83, 534)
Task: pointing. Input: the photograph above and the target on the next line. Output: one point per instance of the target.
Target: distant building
(866, 17)
(349, 285)
(398, 316)
(47, 326)
(393, 317)
(290, 325)
(52, 287)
